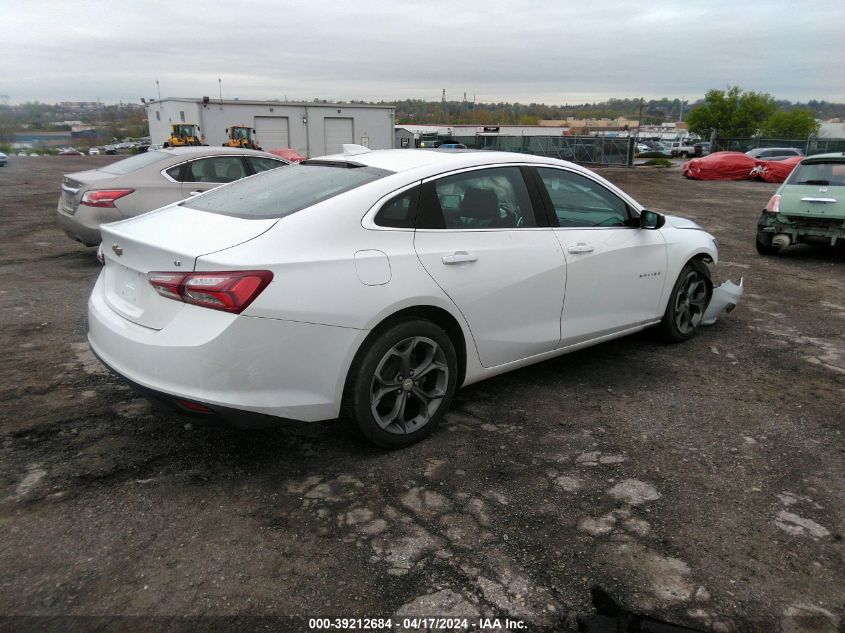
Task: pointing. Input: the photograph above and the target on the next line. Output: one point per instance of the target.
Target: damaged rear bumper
(724, 299)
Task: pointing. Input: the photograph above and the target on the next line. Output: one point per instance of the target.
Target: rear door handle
(581, 247)
(459, 257)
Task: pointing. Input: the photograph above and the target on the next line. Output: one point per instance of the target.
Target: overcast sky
(499, 50)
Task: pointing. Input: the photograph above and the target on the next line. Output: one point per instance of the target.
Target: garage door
(337, 132)
(272, 132)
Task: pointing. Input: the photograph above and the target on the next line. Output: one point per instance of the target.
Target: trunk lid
(76, 184)
(813, 201)
(156, 241)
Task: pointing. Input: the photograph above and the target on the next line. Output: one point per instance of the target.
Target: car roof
(834, 156)
(778, 149)
(193, 150)
(399, 160)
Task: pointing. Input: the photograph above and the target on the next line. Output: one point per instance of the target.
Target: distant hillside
(654, 111)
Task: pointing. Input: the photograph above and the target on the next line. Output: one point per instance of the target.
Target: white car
(373, 284)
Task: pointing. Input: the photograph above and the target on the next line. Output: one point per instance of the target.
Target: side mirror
(651, 220)
(227, 130)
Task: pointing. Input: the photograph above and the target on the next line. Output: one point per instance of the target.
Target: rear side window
(493, 198)
(399, 212)
(281, 192)
(216, 169)
(175, 173)
(134, 163)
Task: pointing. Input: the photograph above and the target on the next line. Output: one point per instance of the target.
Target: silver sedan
(148, 181)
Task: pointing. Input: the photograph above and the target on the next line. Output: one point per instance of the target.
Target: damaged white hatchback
(371, 285)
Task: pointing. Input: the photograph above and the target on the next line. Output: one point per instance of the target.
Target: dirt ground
(701, 484)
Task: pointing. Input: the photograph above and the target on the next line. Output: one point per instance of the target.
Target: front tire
(687, 303)
(401, 383)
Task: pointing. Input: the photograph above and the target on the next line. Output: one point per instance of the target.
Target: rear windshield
(134, 163)
(819, 173)
(280, 192)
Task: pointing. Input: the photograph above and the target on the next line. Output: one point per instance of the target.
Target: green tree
(732, 112)
(797, 123)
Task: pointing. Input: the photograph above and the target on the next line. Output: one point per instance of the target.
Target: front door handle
(197, 192)
(581, 247)
(459, 257)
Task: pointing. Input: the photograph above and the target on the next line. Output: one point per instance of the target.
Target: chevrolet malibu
(148, 181)
(371, 285)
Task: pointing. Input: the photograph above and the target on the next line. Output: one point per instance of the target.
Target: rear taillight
(103, 197)
(774, 204)
(230, 291)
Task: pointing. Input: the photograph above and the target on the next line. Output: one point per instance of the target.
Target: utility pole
(640, 118)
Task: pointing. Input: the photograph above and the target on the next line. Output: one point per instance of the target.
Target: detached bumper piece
(724, 299)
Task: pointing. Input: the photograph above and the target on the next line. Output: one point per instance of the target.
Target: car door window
(259, 163)
(581, 202)
(495, 198)
(216, 169)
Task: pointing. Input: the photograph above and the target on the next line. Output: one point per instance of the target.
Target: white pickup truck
(683, 148)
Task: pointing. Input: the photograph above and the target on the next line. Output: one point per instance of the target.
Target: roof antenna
(350, 149)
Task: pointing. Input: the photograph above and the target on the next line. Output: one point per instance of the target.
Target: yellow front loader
(184, 134)
(241, 136)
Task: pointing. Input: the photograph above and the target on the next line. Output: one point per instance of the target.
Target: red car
(288, 154)
(738, 166)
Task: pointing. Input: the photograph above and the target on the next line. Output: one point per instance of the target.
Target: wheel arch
(439, 316)
(701, 256)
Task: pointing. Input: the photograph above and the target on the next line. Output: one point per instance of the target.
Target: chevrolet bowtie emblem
(116, 250)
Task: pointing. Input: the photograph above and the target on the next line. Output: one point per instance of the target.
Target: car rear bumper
(798, 226)
(84, 225)
(234, 365)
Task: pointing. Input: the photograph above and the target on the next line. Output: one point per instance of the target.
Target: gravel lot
(701, 484)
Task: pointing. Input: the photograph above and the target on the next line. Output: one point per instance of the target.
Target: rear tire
(401, 383)
(688, 301)
(764, 244)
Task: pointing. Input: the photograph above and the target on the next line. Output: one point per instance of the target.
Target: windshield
(240, 132)
(134, 163)
(183, 130)
(819, 173)
(281, 192)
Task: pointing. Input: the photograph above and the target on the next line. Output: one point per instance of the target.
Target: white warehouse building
(312, 129)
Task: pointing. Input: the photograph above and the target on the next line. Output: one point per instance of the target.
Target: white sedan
(371, 285)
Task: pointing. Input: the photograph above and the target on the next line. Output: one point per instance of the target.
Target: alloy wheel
(690, 302)
(408, 385)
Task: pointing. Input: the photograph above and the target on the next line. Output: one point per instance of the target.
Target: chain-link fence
(808, 146)
(586, 150)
